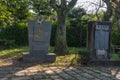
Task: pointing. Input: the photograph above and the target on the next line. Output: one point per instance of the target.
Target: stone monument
(98, 40)
(39, 41)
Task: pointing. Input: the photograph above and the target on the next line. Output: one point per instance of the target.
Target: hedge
(19, 35)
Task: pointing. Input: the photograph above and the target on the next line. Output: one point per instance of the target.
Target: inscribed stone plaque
(101, 37)
(39, 41)
(101, 41)
(39, 36)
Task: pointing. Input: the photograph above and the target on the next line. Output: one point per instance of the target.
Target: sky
(91, 5)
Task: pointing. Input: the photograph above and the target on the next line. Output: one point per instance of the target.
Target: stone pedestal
(40, 58)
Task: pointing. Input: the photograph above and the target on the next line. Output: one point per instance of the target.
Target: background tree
(13, 11)
(62, 7)
(5, 15)
(113, 9)
(13, 20)
(76, 23)
(19, 9)
(109, 10)
(41, 7)
(116, 13)
(113, 14)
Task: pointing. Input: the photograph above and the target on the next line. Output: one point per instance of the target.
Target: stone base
(40, 58)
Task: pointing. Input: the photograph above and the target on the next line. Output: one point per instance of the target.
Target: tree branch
(96, 4)
(108, 3)
(97, 9)
(71, 4)
(53, 4)
(63, 3)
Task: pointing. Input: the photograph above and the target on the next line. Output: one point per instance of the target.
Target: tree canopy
(12, 11)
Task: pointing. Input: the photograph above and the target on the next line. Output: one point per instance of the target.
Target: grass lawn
(17, 52)
(14, 52)
(10, 53)
(71, 58)
(115, 56)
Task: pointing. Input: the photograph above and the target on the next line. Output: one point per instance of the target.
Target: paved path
(40, 72)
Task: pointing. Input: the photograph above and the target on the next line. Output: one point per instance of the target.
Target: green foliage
(115, 38)
(76, 13)
(6, 44)
(115, 56)
(18, 8)
(10, 53)
(53, 33)
(5, 16)
(89, 17)
(75, 28)
(73, 35)
(1, 47)
(84, 56)
(17, 33)
(13, 11)
(115, 34)
(41, 7)
(76, 31)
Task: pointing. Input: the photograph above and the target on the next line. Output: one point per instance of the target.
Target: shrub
(84, 56)
(73, 36)
(116, 38)
(17, 33)
(5, 44)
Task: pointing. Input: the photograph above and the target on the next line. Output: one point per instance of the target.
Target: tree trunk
(109, 12)
(80, 35)
(61, 43)
(118, 24)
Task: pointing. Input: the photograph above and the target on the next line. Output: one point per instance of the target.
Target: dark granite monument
(98, 40)
(39, 42)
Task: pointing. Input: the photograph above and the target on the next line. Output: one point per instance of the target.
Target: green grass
(60, 60)
(115, 56)
(17, 52)
(10, 53)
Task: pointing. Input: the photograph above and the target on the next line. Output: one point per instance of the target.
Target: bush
(53, 34)
(17, 33)
(1, 47)
(116, 38)
(73, 36)
(84, 56)
(5, 44)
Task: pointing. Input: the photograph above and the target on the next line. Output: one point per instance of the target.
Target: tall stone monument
(39, 41)
(98, 40)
